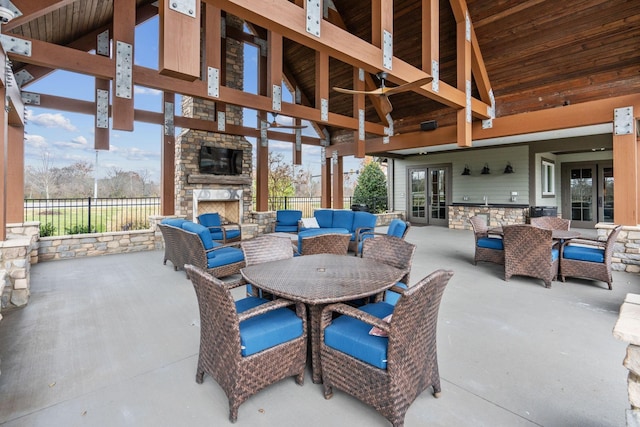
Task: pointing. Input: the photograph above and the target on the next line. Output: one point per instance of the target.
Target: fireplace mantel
(219, 179)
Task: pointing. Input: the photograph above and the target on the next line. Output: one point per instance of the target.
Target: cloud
(77, 143)
(146, 91)
(35, 141)
(134, 153)
(49, 120)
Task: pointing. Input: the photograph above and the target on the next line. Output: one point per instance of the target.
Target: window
(548, 178)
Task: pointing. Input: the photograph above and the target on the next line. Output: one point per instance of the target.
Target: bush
(79, 229)
(371, 189)
(134, 224)
(47, 229)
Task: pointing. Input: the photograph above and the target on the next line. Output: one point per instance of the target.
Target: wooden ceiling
(539, 54)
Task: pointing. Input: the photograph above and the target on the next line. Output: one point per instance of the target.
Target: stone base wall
(626, 252)
(17, 253)
(496, 216)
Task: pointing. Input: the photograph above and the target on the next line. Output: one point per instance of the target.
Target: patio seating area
(114, 340)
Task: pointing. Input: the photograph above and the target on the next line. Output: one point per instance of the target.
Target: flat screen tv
(220, 161)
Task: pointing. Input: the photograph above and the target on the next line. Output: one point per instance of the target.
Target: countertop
(492, 205)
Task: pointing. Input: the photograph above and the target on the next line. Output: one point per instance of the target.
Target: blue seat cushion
(286, 228)
(224, 256)
(324, 217)
(176, 222)
(490, 243)
(202, 232)
(581, 253)
(391, 297)
(351, 336)
(266, 330)
(231, 234)
(555, 253)
(396, 228)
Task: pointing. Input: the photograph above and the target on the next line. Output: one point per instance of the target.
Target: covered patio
(113, 340)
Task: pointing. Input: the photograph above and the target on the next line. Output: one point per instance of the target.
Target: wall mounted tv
(220, 161)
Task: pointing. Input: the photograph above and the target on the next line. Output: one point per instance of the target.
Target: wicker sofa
(340, 221)
(186, 242)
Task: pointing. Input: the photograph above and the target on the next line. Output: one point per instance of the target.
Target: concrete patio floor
(113, 341)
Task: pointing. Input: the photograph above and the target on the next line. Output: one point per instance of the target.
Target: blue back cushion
(176, 222)
(391, 297)
(582, 253)
(364, 219)
(554, 254)
(224, 256)
(396, 228)
(210, 220)
(351, 336)
(288, 217)
(490, 243)
(202, 231)
(342, 219)
(266, 330)
(324, 217)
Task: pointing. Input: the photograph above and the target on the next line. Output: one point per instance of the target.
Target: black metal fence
(308, 204)
(88, 215)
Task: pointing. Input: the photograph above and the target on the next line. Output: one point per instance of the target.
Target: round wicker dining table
(318, 280)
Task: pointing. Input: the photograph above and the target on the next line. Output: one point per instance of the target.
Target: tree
(371, 188)
(41, 178)
(281, 177)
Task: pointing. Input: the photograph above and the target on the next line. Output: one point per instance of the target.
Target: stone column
(627, 329)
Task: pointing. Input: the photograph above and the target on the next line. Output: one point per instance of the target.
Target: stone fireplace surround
(226, 202)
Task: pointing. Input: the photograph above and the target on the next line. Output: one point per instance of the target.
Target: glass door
(429, 197)
(587, 193)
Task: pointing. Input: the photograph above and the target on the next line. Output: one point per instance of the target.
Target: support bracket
(102, 108)
(169, 126)
(623, 121)
(124, 68)
(186, 7)
(213, 82)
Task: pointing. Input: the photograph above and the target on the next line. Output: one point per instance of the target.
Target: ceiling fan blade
(407, 86)
(385, 105)
(378, 91)
(277, 125)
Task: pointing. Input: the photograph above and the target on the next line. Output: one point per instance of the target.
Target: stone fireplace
(226, 202)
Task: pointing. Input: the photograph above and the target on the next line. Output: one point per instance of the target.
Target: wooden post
(626, 191)
(168, 164)
(124, 17)
(338, 183)
(179, 42)
(15, 174)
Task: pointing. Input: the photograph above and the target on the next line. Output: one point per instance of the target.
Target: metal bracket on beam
(467, 26)
(361, 74)
(124, 67)
(361, 124)
(388, 130)
(30, 98)
(264, 142)
(435, 73)
(22, 77)
(213, 82)
(102, 108)
(169, 116)
(323, 156)
(15, 45)
(276, 97)
(7, 4)
(327, 138)
(102, 43)
(387, 50)
(298, 96)
(324, 110)
(186, 7)
(491, 112)
(313, 10)
(623, 121)
(222, 121)
(298, 139)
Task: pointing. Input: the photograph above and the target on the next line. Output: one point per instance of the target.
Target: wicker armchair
(386, 373)
(395, 252)
(588, 258)
(265, 248)
(530, 251)
(172, 251)
(551, 222)
(397, 228)
(329, 243)
(271, 345)
(487, 248)
(224, 233)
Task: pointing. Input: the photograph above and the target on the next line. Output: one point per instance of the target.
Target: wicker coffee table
(318, 280)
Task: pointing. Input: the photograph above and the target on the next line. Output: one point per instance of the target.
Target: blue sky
(67, 138)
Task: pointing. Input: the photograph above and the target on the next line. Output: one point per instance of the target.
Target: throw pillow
(310, 223)
(375, 331)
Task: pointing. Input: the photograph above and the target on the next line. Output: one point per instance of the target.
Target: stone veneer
(627, 328)
(497, 215)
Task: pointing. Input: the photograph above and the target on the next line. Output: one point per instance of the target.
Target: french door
(429, 195)
(587, 193)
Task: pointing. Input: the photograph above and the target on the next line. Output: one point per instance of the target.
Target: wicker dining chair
(248, 344)
(588, 258)
(487, 248)
(551, 222)
(329, 243)
(265, 248)
(387, 373)
(394, 251)
(530, 251)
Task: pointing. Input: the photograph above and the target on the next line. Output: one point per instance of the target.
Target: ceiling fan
(275, 124)
(383, 91)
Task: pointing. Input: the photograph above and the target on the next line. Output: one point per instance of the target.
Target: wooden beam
(15, 174)
(430, 33)
(338, 183)
(179, 53)
(626, 191)
(325, 187)
(274, 67)
(168, 164)
(287, 19)
(124, 12)
(33, 9)
(463, 41)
